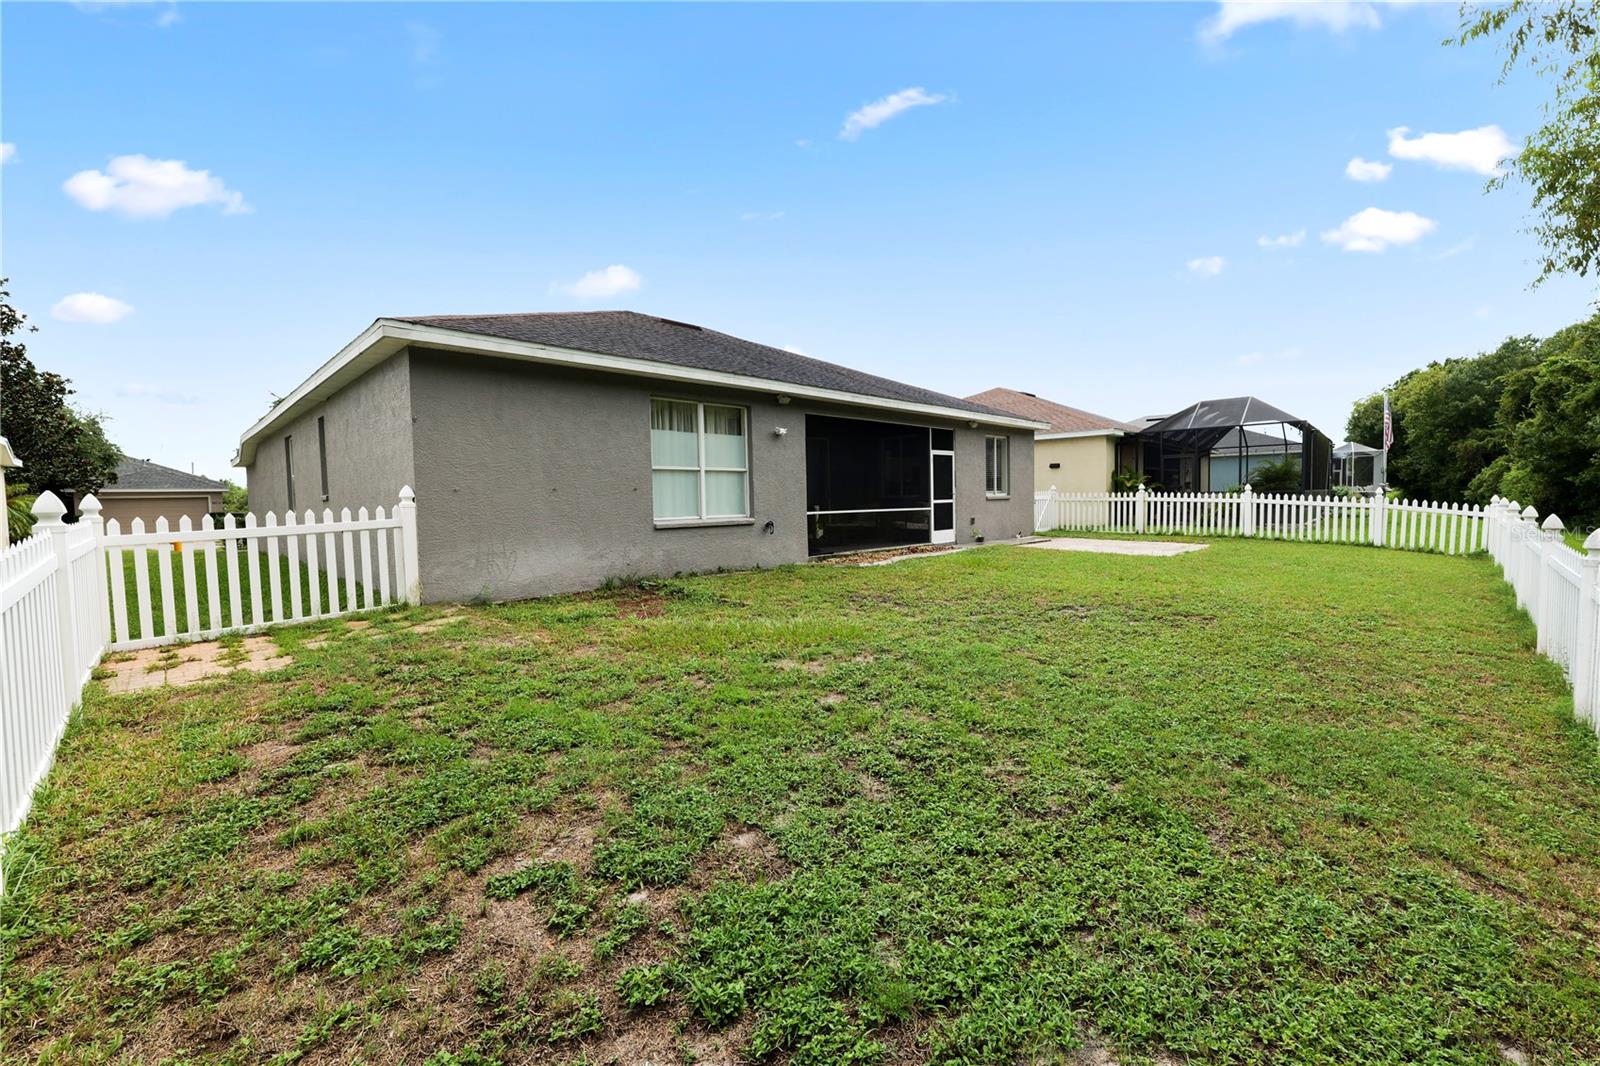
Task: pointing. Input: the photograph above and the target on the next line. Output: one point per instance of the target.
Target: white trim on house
(387, 336)
(1081, 433)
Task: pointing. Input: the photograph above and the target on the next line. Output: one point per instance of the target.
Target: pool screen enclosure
(876, 484)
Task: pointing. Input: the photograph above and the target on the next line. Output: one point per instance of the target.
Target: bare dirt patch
(190, 664)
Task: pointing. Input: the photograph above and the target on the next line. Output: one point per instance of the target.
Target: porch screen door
(944, 497)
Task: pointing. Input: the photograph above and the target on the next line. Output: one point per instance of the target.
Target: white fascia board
(1079, 433)
(8, 458)
(387, 336)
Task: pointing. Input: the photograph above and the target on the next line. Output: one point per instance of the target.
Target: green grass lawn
(1262, 803)
(203, 595)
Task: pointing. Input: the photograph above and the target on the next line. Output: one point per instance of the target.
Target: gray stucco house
(551, 452)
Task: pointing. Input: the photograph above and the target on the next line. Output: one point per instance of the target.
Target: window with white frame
(699, 461)
(996, 466)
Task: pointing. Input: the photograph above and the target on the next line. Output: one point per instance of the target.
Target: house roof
(1061, 418)
(663, 340)
(623, 342)
(1256, 442)
(141, 475)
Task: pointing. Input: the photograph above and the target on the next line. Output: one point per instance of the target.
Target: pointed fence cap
(89, 506)
(1593, 542)
(1552, 524)
(48, 508)
(406, 495)
(1529, 514)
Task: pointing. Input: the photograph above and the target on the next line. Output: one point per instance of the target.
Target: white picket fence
(1415, 525)
(1560, 589)
(70, 593)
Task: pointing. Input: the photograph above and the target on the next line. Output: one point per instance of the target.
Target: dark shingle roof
(1062, 419)
(636, 336)
(141, 475)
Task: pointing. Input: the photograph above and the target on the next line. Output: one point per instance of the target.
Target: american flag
(1388, 424)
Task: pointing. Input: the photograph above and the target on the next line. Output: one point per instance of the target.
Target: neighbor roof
(1062, 419)
(623, 342)
(141, 475)
(1256, 442)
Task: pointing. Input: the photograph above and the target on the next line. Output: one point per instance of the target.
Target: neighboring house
(1212, 445)
(1078, 452)
(552, 452)
(149, 491)
(1234, 460)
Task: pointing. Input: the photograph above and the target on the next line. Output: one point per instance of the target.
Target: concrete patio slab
(1160, 548)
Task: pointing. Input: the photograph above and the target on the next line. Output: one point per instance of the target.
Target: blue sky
(1068, 199)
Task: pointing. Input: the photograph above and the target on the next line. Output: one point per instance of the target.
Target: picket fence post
(1247, 511)
(1528, 557)
(50, 511)
(1585, 657)
(89, 508)
(1141, 508)
(407, 509)
(1378, 526)
(1544, 620)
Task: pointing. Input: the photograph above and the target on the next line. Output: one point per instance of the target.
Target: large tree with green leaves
(1445, 419)
(1522, 421)
(61, 447)
(1560, 160)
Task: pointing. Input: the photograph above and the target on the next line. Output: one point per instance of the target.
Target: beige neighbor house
(148, 490)
(1079, 452)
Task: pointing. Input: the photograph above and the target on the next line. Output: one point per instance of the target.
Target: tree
(1282, 475)
(1561, 159)
(1446, 429)
(235, 498)
(1551, 412)
(1522, 421)
(62, 449)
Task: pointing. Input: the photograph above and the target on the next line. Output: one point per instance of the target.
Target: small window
(288, 466)
(699, 461)
(322, 454)
(996, 466)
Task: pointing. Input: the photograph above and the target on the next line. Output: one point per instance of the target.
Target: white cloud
(1208, 266)
(761, 216)
(1480, 150)
(162, 393)
(1359, 169)
(1336, 15)
(92, 307)
(424, 42)
(141, 187)
(597, 284)
(880, 111)
(803, 142)
(1375, 229)
(8, 152)
(1283, 240)
(796, 351)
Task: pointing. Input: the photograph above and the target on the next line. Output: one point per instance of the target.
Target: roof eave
(1077, 433)
(387, 336)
